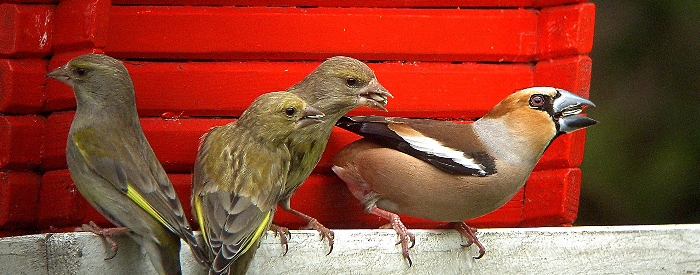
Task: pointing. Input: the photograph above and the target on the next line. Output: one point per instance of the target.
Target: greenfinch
(240, 174)
(113, 165)
(335, 87)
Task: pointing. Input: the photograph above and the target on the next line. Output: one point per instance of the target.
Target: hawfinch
(451, 172)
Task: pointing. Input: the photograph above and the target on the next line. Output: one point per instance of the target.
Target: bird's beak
(374, 95)
(567, 107)
(310, 116)
(60, 74)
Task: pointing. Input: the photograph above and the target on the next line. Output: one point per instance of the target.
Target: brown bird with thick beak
(453, 172)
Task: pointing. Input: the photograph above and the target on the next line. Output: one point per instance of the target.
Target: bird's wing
(137, 173)
(234, 195)
(451, 147)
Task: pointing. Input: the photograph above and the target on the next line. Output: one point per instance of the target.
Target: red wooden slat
(61, 205)
(572, 73)
(422, 89)
(20, 142)
(565, 30)
(336, 3)
(317, 33)
(326, 198)
(175, 142)
(19, 197)
(80, 24)
(21, 85)
(25, 30)
(551, 198)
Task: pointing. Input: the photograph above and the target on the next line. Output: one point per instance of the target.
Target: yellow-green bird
(335, 87)
(239, 176)
(113, 166)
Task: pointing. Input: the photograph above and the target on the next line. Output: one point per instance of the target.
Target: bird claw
(314, 224)
(325, 232)
(284, 236)
(106, 234)
(404, 235)
(469, 233)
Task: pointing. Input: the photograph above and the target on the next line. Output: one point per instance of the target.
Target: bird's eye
(536, 101)
(351, 81)
(290, 111)
(81, 71)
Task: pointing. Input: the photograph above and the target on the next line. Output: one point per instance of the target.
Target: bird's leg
(284, 235)
(400, 229)
(106, 233)
(314, 224)
(469, 233)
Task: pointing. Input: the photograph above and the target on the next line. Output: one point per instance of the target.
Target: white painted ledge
(657, 249)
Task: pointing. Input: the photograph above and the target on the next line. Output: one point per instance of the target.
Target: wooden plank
(646, 249)
(25, 30)
(326, 198)
(336, 3)
(571, 73)
(61, 205)
(551, 198)
(22, 85)
(175, 143)
(344, 3)
(20, 140)
(507, 35)
(19, 197)
(80, 25)
(421, 89)
(565, 30)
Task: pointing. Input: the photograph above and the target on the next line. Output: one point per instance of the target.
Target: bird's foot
(284, 236)
(314, 224)
(404, 235)
(106, 233)
(469, 233)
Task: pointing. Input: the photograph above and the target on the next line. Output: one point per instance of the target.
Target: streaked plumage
(335, 87)
(452, 172)
(113, 165)
(239, 176)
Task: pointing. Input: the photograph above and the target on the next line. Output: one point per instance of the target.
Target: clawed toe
(284, 236)
(470, 233)
(106, 234)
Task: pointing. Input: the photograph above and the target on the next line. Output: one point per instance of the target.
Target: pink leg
(106, 233)
(469, 233)
(400, 229)
(284, 235)
(314, 224)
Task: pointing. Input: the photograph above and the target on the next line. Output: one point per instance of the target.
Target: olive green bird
(239, 176)
(335, 87)
(113, 165)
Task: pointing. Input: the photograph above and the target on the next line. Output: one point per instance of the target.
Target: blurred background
(642, 161)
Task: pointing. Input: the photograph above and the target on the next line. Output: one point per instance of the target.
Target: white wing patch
(434, 147)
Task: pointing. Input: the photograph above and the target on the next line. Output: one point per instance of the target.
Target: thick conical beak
(310, 116)
(566, 107)
(374, 95)
(60, 74)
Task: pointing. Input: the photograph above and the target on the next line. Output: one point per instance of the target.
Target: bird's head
(543, 111)
(342, 83)
(95, 76)
(279, 114)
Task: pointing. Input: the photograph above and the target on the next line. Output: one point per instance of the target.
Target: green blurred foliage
(642, 161)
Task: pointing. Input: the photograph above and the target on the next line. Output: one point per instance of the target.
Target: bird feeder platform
(199, 63)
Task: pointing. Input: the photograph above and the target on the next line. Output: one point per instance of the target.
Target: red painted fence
(199, 65)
